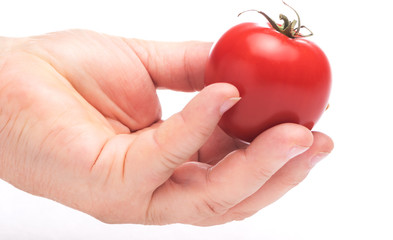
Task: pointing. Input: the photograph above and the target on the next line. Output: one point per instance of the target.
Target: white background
(347, 196)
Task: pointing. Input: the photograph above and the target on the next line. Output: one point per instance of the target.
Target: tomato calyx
(288, 28)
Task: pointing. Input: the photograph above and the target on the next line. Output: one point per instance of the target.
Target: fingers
(290, 175)
(183, 134)
(243, 172)
(177, 66)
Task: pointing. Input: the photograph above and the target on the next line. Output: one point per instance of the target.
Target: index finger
(177, 66)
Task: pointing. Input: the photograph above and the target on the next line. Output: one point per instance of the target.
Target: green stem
(286, 21)
(288, 28)
(298, 18)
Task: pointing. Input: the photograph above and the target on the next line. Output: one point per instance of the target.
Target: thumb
(183, 134)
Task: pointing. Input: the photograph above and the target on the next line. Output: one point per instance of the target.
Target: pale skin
(80, 124)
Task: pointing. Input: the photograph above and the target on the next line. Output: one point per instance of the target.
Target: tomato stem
(288, 28)
(286, 21)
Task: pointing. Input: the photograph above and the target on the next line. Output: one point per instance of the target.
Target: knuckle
(187, 69)
(294, 180)
(260, 173)
(169, 159)
(263, 173)
(191, 73)
(143, 50)
(197, 130)
(213, 205)
(172, 149)
(215, 208)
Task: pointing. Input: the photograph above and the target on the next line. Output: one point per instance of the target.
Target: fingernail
(317, 158)
(228, 104)
(296, 150)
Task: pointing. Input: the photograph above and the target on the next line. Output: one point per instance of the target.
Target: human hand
(80, 124)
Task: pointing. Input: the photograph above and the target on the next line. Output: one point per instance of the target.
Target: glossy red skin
(280, 79)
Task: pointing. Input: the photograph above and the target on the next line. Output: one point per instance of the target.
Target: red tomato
(280, 79)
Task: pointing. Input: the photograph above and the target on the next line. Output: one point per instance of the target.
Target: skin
(80, 124)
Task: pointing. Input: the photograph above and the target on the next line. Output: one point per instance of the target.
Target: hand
(80, 124)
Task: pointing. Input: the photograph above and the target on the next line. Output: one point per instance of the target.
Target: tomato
(280, 78)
